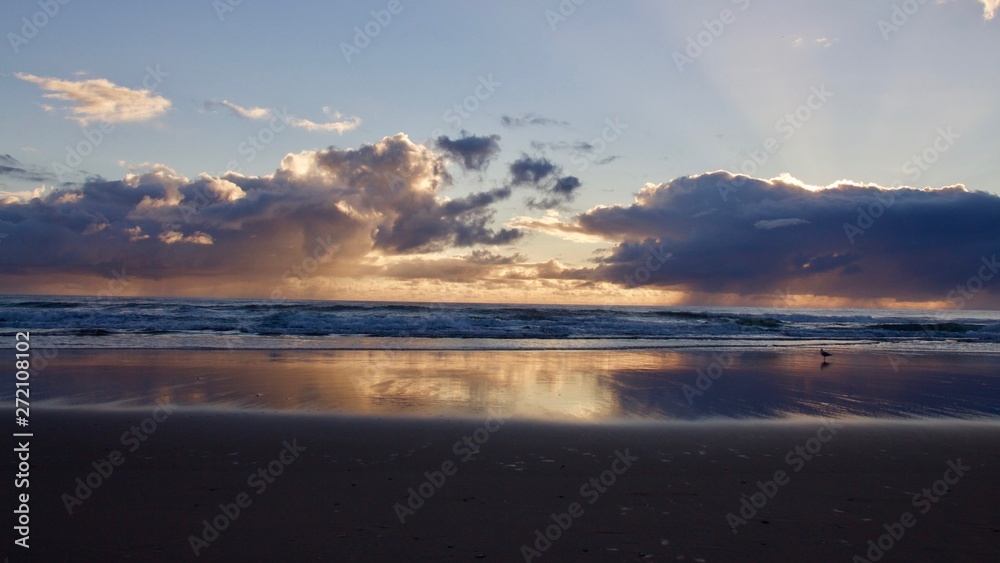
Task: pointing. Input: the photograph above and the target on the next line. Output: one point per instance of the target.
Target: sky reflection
(548, 385)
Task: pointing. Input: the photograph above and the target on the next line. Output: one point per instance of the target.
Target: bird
(824, 353)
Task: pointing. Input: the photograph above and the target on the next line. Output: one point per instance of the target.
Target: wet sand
(577, 385)
(335, 500)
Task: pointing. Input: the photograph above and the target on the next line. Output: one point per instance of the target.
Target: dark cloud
(720, 233)
(473, 152)
(476, 201)
(544, 203)
(577, 146)
(528, 170)
(543, 175)
(565, 186)
(526, 119)
(345, 205)
(582, 153)
(13, 168)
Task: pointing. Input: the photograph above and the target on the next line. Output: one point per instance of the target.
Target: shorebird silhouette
(824, 353)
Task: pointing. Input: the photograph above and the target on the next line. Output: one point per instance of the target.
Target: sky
(725, 152)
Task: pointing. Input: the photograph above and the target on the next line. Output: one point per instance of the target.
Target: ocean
(164, 323)
(552, 362)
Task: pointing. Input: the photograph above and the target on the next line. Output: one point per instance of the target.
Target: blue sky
(891, 92)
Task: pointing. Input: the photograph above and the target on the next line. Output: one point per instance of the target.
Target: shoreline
(601, 386)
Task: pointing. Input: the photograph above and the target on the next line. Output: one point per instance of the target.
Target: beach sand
(369, 456)
(335, 500)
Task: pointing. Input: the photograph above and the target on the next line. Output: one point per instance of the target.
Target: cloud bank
(736, 235)
(350, 207)
(380, 212)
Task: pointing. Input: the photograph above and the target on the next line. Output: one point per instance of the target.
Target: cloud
(474, 153)
(723, 237)
(579, 151)
(566, 186)
(557, 193)
(576, 146)
(484, 256)
(98, 99)
(13, 168)
(543, 175)
(551, 224)
(340, 210)
(768, 224)
(174, 237)
(526, 119)
(528, 170)
(254, 112)
(338, 124)
(990, 8)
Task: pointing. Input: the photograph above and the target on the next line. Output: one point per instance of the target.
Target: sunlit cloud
(174, 237)
(338, 123)
(553, 225)
(98, 99)
(990, 8)
(254, 112)
(344, 205)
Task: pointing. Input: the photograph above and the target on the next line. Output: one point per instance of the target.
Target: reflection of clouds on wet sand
(557, 385)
